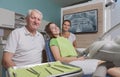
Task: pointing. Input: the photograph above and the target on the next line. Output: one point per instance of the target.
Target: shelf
(19, 20)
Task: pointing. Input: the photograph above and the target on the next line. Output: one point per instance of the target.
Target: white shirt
(72, 37)
(27, 49)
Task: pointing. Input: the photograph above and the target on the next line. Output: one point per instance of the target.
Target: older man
(24, 45)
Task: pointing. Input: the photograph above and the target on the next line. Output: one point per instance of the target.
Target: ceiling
(64, 3)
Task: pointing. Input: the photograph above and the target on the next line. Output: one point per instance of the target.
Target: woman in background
(67, 34)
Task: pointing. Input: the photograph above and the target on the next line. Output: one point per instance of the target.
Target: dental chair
(4, 72)
(107, 46)
(104, 50)
(50, 57)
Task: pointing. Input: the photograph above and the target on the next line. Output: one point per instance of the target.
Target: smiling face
(54, 30)
(66, 26)
(33, 21)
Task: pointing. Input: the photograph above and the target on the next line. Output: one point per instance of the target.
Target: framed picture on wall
(83, 22)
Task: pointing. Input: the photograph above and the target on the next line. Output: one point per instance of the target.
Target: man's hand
(7, 60)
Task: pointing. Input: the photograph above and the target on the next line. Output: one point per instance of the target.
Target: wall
(83, 40)
(115, 14)
(50, 10)
(115, 18)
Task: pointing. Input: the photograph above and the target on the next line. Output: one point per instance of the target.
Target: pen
(14, 74)
(48, 71)
(33, 72)
(57, 69)
(63, 66)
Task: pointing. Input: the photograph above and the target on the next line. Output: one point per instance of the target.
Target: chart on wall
(83, 22)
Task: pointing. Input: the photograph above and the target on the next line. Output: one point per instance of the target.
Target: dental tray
(51, 69)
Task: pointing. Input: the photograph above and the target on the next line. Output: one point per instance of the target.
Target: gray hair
(35, 10)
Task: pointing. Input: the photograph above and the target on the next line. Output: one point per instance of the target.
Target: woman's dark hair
(48, 31)
(66, 21)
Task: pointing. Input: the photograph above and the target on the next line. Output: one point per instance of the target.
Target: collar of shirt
(28, 33)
